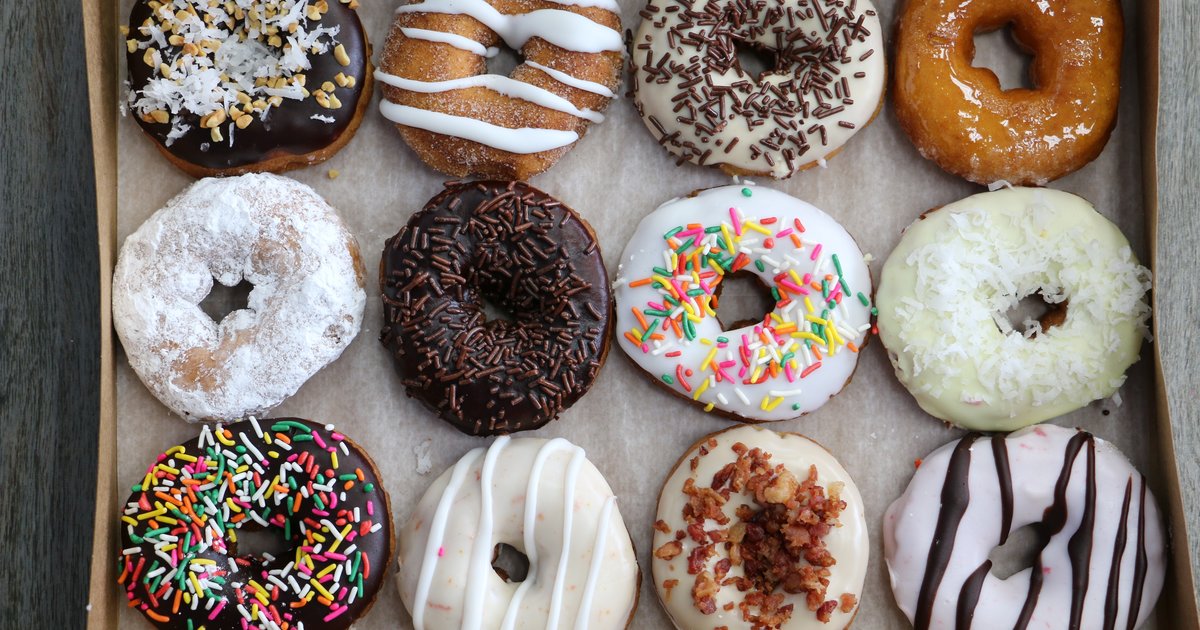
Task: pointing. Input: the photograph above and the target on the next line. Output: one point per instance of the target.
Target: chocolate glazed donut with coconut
(826, 84)
(256, 86)
(463, 121)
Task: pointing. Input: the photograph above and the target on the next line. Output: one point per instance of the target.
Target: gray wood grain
(49, 314)
(1178, 271)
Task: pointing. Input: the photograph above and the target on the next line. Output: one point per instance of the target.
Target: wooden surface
(50, 301)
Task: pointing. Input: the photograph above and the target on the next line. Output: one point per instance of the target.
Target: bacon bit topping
(778, 540)
(662, 526)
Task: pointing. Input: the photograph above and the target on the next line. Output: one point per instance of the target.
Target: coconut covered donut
(224, 88)
(958, 115)
(826, 82)
(758, 529)
(304, 483)
(791, 361)
(305, 308)
(463, 121)
(1102, 558)
(957, 271)
(542, 498)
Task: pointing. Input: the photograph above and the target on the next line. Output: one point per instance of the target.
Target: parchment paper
(632, 430)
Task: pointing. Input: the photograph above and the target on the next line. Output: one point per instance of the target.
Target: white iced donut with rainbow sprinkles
(786, 364)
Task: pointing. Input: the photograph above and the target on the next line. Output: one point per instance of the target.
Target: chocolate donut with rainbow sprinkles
(786, 364)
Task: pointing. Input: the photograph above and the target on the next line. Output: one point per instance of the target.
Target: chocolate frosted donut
(303, 481)
(266, 85)
(525, 252)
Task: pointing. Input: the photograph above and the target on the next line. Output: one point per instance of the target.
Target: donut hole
(264, 543)
(1017, 553)
(223, 300)
(753, 59)
(1000, 51)
(1031, 315)
(742, 300)
(509, 563)
(493, 311)
(504, 61)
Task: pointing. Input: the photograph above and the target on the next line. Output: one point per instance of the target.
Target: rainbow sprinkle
(183, 518)
(810, 321)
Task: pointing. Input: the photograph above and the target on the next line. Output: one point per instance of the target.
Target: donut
(825, 83)
(226, 88)
(547, 501)
(511, 245)
(946, 287)
(758, 529)
(788, 363)
(305, 308)
(463, 121)
(958, 115)
(316, 491)
(1101, 561)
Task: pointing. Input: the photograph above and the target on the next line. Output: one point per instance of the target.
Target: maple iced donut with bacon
(825, 85)
(542, 498)
(301, 481)
(463, 121)
(794, 359)
(1101, 553)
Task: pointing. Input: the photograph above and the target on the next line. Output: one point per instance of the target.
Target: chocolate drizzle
(1004, 475)
(1140, 566)
(1079, 547)
(289, 129)
(968, 598)
(956, 496)
(1112, 596)
(524, 251)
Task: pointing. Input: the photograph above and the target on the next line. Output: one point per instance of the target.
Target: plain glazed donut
(698, 102)
(546, 500)
(254, 86)
(758, 529)
(957, 271)
(304, 482)
(957, 114)
(461, 120)
(527, 253)
(1102, 560)
(788, 363)
(305, 308)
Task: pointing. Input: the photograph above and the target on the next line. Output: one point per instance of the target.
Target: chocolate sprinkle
(522, 250)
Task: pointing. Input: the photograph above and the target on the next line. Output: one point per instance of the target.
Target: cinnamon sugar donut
(958, 115)
(461, 120)
(305, 308)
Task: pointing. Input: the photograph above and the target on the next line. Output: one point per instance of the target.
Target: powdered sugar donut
(1102, 557)
(305, 308)
(794, 359)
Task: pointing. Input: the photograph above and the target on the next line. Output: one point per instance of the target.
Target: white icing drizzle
(497, 83)
(575, 82)
(568, 523)
(589, 588)
(457, 41)
(523, 140)
(437, 530)
(561, 28)
(481, 551)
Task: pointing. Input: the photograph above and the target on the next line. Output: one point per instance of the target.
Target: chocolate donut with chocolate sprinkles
(519, 249)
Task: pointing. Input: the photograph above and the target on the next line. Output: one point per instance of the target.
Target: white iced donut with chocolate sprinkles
(758, 529)
(826, 82)
(544, 499)
(1102, 551)
(791, 362)
(305, 308)
(947, 287)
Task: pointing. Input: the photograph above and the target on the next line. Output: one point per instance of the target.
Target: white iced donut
(546, 500)
(305, 308)
(957, 271)
(1101, 563)
(721, 554)
(826, 82)
(786, 365)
